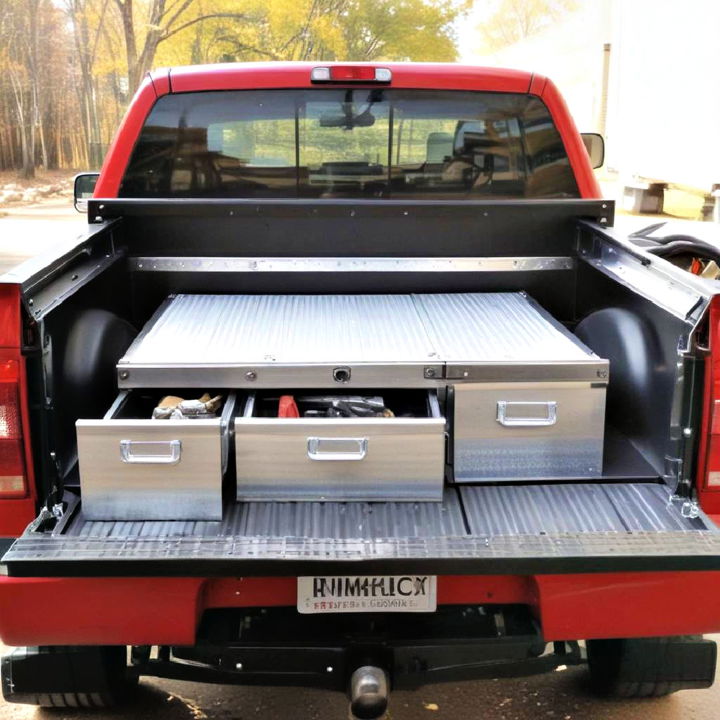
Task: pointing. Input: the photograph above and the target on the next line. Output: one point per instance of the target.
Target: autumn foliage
(69, 67)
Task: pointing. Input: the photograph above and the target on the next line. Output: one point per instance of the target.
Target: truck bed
(500, 529)
(560, 252)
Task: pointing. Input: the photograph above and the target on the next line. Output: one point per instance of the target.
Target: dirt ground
(30, 230)
(41, 177)
(556, 696)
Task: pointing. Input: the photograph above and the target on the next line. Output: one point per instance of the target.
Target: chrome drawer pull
(505, 406)
(171, 457)
(357, 448)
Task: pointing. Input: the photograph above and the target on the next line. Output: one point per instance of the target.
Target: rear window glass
(375, 143)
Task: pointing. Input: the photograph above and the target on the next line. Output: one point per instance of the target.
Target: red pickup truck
(352, 384)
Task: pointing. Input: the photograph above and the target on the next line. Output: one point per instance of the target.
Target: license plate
(366, 593)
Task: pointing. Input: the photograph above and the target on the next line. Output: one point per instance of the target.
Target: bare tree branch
(203, 18)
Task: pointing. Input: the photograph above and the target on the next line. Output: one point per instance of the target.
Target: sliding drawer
(528, 431)
(132, 468)
(342, 458)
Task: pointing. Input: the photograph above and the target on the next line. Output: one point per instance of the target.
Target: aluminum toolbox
(528, 430)
(530, 403)
(397, 458)
(143, 469)
(527, 398)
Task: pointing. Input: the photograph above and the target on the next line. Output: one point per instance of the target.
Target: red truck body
(166, 610)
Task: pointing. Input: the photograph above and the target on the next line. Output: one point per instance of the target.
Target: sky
(467, 30)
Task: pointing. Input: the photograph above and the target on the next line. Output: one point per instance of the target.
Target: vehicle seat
(439, 147)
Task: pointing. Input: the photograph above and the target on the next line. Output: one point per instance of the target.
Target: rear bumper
(167, 610)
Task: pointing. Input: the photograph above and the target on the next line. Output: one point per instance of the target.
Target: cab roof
(238, 76)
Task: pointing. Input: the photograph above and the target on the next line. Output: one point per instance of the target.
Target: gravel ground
(29, 230)
(556, 696)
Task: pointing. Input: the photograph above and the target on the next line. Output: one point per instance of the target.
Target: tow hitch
(361, 654)
(368, 693)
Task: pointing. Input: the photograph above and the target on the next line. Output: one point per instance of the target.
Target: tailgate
(504, 529)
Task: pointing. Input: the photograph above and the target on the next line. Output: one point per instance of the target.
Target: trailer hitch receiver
(368, 693)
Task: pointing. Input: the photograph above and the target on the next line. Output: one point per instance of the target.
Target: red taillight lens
(348, 72)
(351, 73)
(713, 448)
(12, 460)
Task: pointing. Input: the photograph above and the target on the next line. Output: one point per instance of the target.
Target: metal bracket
(673, 474)
(688, 508)
(657, 280)
(202, 264)
(85, 266)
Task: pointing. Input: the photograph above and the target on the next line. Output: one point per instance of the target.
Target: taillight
(712, 479)
(351, 73)
(12, 460)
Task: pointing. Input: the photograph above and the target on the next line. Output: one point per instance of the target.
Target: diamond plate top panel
(496, 327)
(284, 329)
(211, 330)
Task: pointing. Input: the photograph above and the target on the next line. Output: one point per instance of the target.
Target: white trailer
(662, 106)
(643, 73)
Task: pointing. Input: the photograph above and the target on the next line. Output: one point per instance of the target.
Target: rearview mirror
(595, 146)
(84, 189)
(347, 120)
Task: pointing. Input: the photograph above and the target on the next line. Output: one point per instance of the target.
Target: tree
(86, 41)
(162, 21)
(333, 30)
(22, 24)
(69, 67)
(406, 30)
(515, 20)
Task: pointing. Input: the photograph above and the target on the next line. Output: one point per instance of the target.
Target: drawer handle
(505, 406)
(357, 448)
(170, 457)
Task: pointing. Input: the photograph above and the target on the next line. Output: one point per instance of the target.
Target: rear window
(329, 143)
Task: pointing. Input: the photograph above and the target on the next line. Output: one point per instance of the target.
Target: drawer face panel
(340, 458)
(152, 469)
(544, 431)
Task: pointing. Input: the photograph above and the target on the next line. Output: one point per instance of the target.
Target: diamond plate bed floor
(506, 529)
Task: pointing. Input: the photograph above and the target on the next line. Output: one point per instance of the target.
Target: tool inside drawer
(161, 404)
(382, 403)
